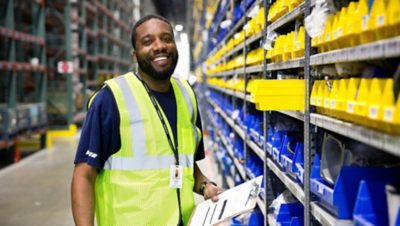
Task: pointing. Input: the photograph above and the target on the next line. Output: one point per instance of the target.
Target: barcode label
(350, 107)
(326, 103)
(320, 190)
(373, 112)
(340, 32)
(381, 20)
(388, 114)
(364, 23)
(333, 104)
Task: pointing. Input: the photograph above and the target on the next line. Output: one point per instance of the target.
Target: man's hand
(212, 191)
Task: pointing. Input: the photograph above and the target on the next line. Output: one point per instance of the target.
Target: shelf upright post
(246, 154)
(201, 57)
(308, 133)
(68, 57)
(83, 45)
(96, 45)
(12, 96)
(266, 118)
(105, 43)
(40, 51)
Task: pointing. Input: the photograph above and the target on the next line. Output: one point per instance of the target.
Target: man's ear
(133, 56)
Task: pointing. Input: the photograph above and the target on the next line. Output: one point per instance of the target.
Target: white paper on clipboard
(232, 202)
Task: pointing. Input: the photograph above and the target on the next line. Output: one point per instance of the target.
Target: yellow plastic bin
(353, 25)
(334, 98)
(287, 94)
(391, 111)
(351, 95)
(361, 102)
(394, 18)
(375, 107)
(341, 100)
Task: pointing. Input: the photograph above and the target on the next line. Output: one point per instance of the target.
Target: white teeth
(160, 58)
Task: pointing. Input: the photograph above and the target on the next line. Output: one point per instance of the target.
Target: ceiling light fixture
(178, 27)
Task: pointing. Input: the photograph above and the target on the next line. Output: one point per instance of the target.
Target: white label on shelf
(326, 103)
(319, 102)
(333, 104)
(381, 20)
(320, 189)
(339, 32)
(350, 107)
(388, 114)
(312, 101)
(373, 112)
(364, 23)
(65, 67)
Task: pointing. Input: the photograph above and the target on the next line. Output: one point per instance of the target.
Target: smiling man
(136, 158)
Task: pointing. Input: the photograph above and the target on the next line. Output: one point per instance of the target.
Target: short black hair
(144, 19)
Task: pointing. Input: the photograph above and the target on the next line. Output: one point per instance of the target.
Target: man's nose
(159, 45)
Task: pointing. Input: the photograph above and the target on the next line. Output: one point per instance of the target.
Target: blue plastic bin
(290, 214)
(288, 159)
(256, 218)
(288, 139)
(270, 137)
(277, 143)
(371, 205)
(237, 13)
(340, 198)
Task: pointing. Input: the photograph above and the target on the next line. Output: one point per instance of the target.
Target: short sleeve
(199, 155)
(100, 137)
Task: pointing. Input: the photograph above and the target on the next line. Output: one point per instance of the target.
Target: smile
(159, 58)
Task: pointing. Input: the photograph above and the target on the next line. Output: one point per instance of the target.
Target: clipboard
(231, 203)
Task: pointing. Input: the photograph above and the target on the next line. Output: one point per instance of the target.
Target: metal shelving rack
(34, 37)
(387, 48)
(95, 39)
(23, 79)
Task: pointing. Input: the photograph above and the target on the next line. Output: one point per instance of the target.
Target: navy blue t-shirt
(100, 136)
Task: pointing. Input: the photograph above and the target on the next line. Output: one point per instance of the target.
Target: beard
(159, 75)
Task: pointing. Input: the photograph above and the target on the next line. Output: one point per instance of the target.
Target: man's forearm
(82, 194)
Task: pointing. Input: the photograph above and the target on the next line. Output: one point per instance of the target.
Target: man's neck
(156, 85)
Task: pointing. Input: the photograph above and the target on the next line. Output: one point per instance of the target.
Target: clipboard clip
(253, 192)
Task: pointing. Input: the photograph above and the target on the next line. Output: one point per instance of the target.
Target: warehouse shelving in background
(54, 54)
(95, 39)
(23, 78)
(245, 127)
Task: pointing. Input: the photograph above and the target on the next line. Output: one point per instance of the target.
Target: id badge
(175, 176)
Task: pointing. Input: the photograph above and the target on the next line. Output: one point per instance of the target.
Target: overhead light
(178, 27)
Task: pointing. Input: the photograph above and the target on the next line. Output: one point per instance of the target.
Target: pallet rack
(96, 41)
(312, 122)
(35, 36)
(23, 80)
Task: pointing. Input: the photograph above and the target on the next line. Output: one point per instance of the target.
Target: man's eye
(146, 42)
(167, 39)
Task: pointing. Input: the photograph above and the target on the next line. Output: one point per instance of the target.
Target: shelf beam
(383, 141)
(387, 48)
(288, 64)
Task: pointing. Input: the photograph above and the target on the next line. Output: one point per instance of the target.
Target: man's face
(156, 51)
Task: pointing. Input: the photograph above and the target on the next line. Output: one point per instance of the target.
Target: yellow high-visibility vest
(133, 188)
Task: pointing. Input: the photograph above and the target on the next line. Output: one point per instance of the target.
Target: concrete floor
(36, 191)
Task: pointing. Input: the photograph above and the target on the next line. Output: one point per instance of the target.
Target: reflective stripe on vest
(191, 102)
(140, 160)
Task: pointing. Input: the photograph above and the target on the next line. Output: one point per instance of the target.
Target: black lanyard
(154, 101)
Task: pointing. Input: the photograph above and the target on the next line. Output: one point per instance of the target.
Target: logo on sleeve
(91, 154)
